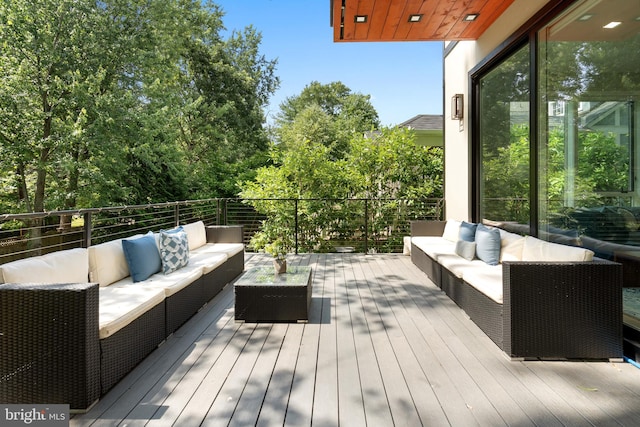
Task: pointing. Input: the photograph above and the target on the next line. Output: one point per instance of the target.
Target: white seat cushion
(68, 266)
(458, 265)
(121, 305)
(487, 280)
(230, 249)
(175, 281)
(208, 261)
(434, 246)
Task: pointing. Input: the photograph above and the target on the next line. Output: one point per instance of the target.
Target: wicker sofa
(73, 323)
(541, 301)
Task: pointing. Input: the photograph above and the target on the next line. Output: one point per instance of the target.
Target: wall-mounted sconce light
(457, 106)
(360, 19)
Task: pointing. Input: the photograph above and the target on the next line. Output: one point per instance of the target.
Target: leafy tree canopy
(316, 159)
(348, 112)
(113, 101)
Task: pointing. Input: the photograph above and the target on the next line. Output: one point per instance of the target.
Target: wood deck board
(351, 408)
(383, 346)
(374, 397)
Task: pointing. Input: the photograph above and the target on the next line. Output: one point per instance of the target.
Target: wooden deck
(383, 347)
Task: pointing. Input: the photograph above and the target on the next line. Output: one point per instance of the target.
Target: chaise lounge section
(540, 300)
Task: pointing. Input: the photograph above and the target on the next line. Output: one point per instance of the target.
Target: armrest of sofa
(49, 344)
(427, 228)
(562, 310)
(225, 234)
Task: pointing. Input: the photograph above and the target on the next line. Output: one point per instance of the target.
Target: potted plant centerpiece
(275, 241)
(278, 249)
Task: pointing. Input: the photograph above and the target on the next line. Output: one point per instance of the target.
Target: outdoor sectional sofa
(73, 323)
(540, 300)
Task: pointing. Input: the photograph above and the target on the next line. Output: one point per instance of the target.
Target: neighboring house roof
(428, 129)
(424, 122)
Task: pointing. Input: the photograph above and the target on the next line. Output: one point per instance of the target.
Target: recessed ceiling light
(360, 19)
(415, 18)
(612, 24)
(471, 17)
(585, 17)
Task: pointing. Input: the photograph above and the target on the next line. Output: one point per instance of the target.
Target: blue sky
(403, 79)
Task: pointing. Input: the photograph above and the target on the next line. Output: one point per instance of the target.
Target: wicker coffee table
(263, 296)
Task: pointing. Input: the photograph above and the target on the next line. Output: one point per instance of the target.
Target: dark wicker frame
(214, 281)
(49, 351)
(563, 310)
(122, 351)
(182, 305)
(550, 310)
(273, 303)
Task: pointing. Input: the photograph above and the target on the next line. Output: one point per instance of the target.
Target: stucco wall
(457, 65)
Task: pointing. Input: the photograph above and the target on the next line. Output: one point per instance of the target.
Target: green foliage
(314, 162)
(602, 166)
(125, 102)
(341, 112)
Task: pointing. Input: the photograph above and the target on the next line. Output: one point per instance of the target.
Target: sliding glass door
(589, 84)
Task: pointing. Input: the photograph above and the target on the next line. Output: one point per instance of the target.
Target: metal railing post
(176, 215)
(366, 226)
(296, 223)
(87, 226)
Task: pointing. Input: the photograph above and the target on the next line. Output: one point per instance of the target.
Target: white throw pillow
(452, 230)
(68, 266)
(539, 250)
(196, 234)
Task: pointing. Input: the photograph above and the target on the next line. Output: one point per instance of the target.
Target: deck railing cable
(320, 225)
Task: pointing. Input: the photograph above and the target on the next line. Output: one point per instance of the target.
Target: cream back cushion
(107, 263)
(511, 246)
(68, 266)
(540, 250)
(452, 230)
(196, 234)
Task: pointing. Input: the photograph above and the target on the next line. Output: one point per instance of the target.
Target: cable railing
(318, 225)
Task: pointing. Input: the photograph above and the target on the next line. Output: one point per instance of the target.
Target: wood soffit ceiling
(389, 20)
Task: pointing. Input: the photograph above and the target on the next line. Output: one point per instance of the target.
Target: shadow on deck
(383, 347)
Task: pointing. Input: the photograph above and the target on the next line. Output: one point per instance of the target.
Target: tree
(349, 112)
(125, 101)
(304, 166)
(223, 131)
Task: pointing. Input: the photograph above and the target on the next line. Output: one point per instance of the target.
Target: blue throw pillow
(468, 231)
(142, 255)
(177, 229)
(488, 244)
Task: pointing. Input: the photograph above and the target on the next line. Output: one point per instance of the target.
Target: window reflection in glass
(589, 84)
(504, 140)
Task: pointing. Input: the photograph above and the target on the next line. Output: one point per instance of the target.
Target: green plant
(274, 240)
(277, 248)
